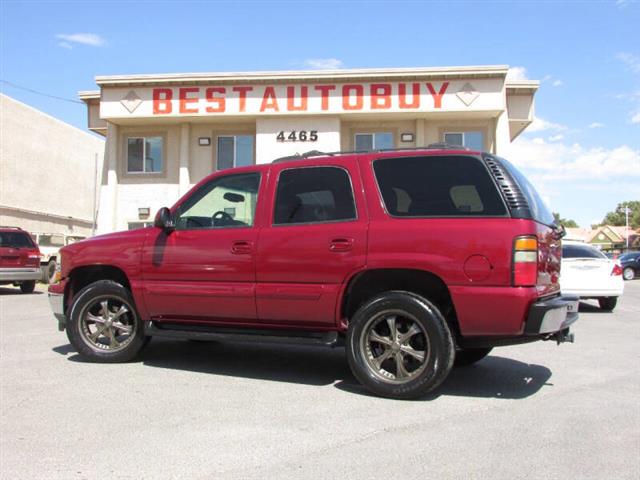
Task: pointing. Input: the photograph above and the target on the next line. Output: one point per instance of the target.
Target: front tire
(608, 303)
(104, 325)
(28, 287)
(469, 356)
(628, 273)
(399, 345)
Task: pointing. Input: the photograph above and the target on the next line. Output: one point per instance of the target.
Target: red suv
(19, 259)
(413, 259)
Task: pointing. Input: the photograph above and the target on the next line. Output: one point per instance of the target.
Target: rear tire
(399, 345)
(28, 287)
(469, 356)
(628, 273)
(104, 325)
(608, 303)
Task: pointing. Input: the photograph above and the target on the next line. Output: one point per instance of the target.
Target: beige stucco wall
(47, 171)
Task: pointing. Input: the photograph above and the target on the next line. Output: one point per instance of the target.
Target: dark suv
(413, 259)
(19, 259)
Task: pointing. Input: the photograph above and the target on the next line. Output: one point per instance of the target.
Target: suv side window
(314, 195)
(228, 201)
(437, 186)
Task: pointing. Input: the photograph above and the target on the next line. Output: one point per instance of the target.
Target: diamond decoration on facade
(131, 101)
(467, 94)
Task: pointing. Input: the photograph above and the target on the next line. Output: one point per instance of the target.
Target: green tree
(617, 217)
(565, 222)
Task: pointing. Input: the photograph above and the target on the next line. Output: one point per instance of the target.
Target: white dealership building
(164, 133)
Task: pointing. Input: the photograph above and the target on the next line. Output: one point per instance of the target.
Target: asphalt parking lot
(213, 410)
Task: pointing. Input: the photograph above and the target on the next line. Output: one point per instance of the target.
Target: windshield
(539, 210)
(15, 240)
(581, 251)
(51, 241)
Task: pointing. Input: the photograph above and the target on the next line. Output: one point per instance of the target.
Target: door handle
(241, 247)
(341, 244)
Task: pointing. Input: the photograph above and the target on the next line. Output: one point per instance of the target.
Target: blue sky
(583, 153)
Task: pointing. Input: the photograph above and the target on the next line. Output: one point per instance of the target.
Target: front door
(314, 240)
(204, 270)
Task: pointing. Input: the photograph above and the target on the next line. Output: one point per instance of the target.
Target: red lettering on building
(437, 97)
(242, 96)
(324, 95)
(415, 95)
(346, 95)
(219, 102)
(380, 96)
(291, 97)
(269, 100)
(162, 101)
(185, 100)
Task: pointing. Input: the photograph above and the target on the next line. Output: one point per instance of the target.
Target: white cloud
(630, 60)
(549, 162)
(636, 118)
(540, 124)
(323, 63)
(517, 73)
(91, 39)
(596, 125)
(556, 138)
(557, 83)
(624, 3)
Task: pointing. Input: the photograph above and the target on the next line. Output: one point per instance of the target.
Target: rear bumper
(601, 292)
(20, 274)
(551, 316)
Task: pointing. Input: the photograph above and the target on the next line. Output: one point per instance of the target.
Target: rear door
(314, 239)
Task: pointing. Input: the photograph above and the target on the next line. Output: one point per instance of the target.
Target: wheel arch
(369, 283)
(84, 275)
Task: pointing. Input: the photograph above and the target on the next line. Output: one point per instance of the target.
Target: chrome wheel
(628, 273)
(108, 324)
(395, 346)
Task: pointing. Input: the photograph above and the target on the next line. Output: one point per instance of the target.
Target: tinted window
(581, 251)
(15, 240)
(223, 202)
(539, 210)
(311, 195)
(437, 186)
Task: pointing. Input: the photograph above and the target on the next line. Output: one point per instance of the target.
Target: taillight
(525, 261)
(617, 270)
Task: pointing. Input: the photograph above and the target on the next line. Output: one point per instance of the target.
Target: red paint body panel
(295, 276)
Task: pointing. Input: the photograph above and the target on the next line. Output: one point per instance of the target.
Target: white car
(587, 273)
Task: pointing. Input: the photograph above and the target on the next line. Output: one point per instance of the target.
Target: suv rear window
(15, 240)
(581, 251)
(437, 186)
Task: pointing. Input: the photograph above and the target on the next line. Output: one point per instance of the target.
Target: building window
(144, 154)
(314, 195)
(472, 140)
(135, 225)
(373, 141)
(235, 151)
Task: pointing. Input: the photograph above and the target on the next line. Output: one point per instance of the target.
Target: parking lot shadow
(493, 377)
(17, 291)
(280, 363)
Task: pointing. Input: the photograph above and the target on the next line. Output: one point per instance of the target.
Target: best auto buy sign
(299, 98)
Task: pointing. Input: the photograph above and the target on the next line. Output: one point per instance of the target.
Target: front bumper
(56, 301)
(551, 316)
(20, 274)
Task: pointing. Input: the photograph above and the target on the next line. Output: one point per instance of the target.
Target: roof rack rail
(10, 226)
(317, 153)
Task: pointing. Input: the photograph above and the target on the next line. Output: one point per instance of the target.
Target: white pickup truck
(50, 244)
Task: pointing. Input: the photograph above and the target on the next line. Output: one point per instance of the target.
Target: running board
(193, 332)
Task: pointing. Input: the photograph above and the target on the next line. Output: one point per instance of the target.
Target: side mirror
(164, 221)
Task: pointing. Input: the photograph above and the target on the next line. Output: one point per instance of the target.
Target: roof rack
(10, 226)
(318, 153)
